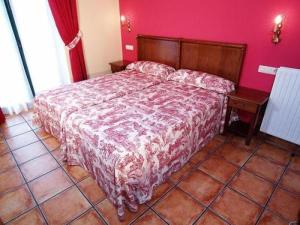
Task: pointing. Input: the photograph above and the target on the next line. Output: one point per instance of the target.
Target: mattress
(134, 143)
(53, 107)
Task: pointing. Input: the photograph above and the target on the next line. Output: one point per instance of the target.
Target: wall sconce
(277, 29)
(126, 22)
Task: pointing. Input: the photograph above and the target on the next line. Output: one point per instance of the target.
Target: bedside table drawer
(115, 69)
(118, 65)
(249, 107)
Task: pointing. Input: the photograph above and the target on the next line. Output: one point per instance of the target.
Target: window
(44, 53)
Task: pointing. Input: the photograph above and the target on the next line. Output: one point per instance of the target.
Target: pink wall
(237, 21)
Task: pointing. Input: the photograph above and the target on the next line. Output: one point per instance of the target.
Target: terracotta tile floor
(224, 183)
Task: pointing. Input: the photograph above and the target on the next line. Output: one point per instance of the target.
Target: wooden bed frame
(222, 59)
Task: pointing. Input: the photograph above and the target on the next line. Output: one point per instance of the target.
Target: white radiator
(282, 117)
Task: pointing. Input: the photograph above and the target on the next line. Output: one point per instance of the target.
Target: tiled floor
(225, 183)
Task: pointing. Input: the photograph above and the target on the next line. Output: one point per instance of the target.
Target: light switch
(267, 69)
(129, 47)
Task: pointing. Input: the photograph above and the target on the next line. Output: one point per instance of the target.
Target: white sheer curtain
(15, 94)
(42, 45)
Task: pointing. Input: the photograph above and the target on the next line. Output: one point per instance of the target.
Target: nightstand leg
(253, 125)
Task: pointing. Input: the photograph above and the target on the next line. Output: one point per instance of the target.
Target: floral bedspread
(53, 107)
(133, 143)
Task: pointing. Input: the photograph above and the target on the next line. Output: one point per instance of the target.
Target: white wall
(99, 21)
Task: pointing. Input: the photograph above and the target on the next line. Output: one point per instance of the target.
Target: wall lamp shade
(125, 22)
(277, 29)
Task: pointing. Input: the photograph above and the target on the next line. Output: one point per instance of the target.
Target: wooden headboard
(159, 49)
(222, 59)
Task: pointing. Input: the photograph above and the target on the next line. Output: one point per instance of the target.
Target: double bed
(132, 142)
(53, 107)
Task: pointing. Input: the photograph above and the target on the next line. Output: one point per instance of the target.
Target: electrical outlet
(129, 47)
(267, 69)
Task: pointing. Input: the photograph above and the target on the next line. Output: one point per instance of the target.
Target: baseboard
(279, 142)
(241, 129)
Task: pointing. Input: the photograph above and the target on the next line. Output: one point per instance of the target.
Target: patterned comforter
(53, 107)
(133, 143)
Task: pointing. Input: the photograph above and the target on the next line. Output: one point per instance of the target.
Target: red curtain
(2, 117)
(65, 16)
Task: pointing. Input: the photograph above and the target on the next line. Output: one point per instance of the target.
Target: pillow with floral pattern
(203, 80)
(152, 68)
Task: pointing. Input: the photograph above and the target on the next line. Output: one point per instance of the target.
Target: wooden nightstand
(118, 65)
(248, 100)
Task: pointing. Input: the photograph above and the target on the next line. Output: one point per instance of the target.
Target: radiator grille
(282, 117)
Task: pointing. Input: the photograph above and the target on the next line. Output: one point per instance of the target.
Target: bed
(134, 143)
(53, 107)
